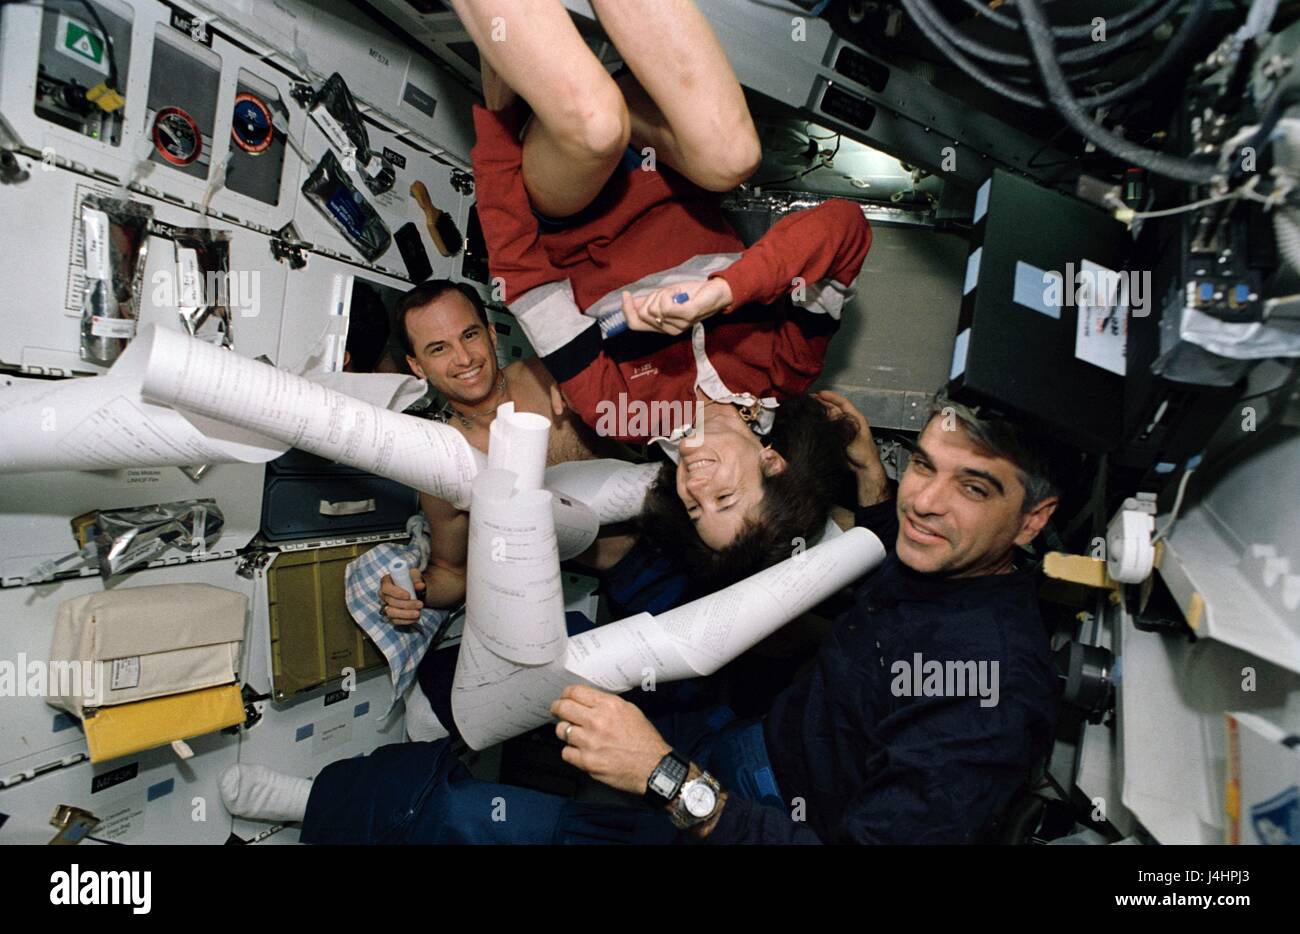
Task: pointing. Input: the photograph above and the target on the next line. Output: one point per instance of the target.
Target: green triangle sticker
(83, 42)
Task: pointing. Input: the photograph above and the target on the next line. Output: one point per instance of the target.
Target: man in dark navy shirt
(921, 715)
(926, 707)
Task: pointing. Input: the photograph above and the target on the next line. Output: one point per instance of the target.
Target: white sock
(256, 792)
(422, 724)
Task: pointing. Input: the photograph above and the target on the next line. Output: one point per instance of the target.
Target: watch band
(667, 779)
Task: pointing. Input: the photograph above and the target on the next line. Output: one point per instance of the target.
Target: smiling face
(720, 479)
(960, 507)
(454, 350)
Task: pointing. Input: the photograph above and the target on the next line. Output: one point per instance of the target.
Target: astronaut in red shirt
(722, 339)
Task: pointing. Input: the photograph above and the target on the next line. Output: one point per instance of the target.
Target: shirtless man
(444, 329)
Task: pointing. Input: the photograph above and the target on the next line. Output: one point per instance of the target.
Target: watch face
(699, 799)
(663, 784)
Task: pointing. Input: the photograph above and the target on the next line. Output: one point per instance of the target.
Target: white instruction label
(72, 300)
(331, 734)
(96, 234)
(333, 130)
(112, 327)
(126, 673)
(1102, 296)
(123, 819)
(191, 278)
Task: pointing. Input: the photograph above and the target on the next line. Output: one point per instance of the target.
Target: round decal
(251, 128)
(176, 136)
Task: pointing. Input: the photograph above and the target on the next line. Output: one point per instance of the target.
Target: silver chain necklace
(468, 421)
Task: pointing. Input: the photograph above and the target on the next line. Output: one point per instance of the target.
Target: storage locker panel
(75, 57)
(153, 797)
(29, 727)
(46, 276)
(302, 737)
(181, 108)
(313, 638)
(36, 509)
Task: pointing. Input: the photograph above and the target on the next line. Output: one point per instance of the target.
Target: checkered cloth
(403, 646)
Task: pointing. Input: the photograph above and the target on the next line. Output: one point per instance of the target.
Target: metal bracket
(11, 170)
(252, 562)
(253, 704)
(74, 825)
(287, 246)
(303, 93)
(463, 182)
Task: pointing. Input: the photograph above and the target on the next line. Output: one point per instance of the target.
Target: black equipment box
(1019, 348)
(309, 497)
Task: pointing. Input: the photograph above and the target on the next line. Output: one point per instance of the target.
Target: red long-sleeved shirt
(658, 229)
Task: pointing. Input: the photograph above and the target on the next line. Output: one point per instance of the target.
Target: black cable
(1066, 32)
(1093, 51)
(1173, 49)
(821, 163)
(961, 61)
(839, 138)
(1196, 171)
(108, 44)
(1117, 43)
(998, 86)
(1282, 101)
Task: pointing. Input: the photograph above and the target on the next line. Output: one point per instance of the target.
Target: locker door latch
(352, 507)
(288, 247)
(74, 825)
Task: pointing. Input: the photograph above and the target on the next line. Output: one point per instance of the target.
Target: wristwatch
(667, 779)
(696, 802)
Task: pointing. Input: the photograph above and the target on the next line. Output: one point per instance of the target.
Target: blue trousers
(421, 793)
(641, 582)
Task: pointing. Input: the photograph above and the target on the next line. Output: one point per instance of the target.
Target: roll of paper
(517, 442)
(105, 423)
(514, 599)
(191, 375)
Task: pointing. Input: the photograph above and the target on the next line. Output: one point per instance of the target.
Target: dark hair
(796, 502)
(367, 328)
(430, 291)
(1036, 459)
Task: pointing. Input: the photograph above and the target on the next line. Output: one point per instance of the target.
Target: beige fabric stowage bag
(142, 642)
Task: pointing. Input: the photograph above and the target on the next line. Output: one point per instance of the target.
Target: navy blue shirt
(892, 736)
